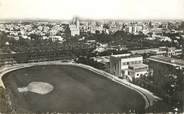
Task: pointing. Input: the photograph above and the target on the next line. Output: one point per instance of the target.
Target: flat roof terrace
(122, 56)
(167, 60)
(137, 66)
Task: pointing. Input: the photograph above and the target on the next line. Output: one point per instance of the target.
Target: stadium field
(75, 89)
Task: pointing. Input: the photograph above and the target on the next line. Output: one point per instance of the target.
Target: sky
(92, 9)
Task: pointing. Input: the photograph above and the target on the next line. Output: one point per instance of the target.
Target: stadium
(68, 88)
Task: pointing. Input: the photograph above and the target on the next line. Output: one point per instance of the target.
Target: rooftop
(121, 55)
(167, 60)
(128, 55)
(135, 66)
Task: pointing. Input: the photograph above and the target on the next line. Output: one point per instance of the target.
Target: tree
(67, 32)
(181, 27)
(175, 88)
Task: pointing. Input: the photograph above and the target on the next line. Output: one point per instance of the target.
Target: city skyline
(88, 9)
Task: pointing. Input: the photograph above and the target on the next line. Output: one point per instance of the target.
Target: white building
(167, 51)
(124, 65)
(135, 29)
(74, 30)
(57, 38)
(75, 27)
(136, 70)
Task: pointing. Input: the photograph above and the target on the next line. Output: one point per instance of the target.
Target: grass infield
(75, 90)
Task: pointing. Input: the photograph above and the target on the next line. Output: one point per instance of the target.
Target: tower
(74, 27)
(76, 22)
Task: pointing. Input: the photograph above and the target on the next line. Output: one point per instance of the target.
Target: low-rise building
(137, 70)
(166, 51)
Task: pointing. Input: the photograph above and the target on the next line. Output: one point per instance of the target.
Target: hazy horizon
(92, 9)
(85, 19)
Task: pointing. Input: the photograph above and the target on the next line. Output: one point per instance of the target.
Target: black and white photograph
(91, 56)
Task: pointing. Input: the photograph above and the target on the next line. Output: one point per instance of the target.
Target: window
(128, 73)
(123, 72)
(125, 63)
(136, 62)
(132, 62)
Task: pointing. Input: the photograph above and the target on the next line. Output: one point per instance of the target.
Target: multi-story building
(124, 65)
(74, 27)
(135, 29)
(162, 68)
(74, 30)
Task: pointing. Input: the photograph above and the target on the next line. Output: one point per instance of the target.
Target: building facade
(166, 51)
(74, 30)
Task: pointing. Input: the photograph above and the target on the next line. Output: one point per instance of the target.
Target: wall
(115, 66)
(161, 73)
